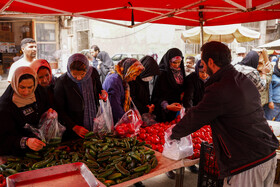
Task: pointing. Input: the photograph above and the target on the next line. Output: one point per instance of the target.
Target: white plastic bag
(103, 123)
(50, 130)
(177, 149)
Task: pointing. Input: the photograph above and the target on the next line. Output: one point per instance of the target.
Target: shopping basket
(208, 169)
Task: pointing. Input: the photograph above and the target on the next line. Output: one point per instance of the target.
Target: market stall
(110, 160)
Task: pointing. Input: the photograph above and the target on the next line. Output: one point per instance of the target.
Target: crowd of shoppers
(232, 99)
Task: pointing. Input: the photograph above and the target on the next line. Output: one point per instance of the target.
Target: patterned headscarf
(17, 98)
(86, 88)
(128, 68)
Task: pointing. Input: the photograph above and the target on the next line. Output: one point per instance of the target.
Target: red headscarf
(41, 63)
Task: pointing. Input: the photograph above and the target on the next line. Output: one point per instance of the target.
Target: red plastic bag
(129, 124)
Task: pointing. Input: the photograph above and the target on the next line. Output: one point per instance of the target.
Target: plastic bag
(50, 130)
(103, 123)
(177, 149)
(148, 119)
(129, 124)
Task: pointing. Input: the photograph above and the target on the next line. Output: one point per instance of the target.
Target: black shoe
(193, 169)
(139, 184)
(170, 174)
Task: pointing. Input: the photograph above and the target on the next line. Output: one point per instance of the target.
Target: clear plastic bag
(103, 123)
(130, 123)
(50, 130)
(177, 149)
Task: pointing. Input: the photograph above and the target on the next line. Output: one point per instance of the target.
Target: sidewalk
(3, 83)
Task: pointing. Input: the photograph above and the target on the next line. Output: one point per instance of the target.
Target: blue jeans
(271, 113)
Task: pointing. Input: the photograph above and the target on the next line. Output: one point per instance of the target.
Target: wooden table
(165, 165)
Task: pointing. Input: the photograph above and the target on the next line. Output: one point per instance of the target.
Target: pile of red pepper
(154, 135)
(204, 134)
(2, 181)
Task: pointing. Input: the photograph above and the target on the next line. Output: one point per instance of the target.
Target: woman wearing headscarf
(105, 65)
(45, 77)
(272, 109)
(22, 103)
(194, 86)
(116, 84)
(169, 86)
(248, 66)
(139, 89)
(76, 96)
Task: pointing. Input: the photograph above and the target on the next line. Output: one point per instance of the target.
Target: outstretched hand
(35, 144)
(103, 95)
(174, 107)
(80, 131)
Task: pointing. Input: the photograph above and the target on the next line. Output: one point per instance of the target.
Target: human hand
(35, 144)
(266, 68)
(80, 131)
(174, 107)
(151, 108)
(103, 95)
(271, 105)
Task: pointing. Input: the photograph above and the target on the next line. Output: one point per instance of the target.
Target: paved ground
(3, 84)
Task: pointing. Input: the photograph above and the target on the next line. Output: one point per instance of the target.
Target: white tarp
(275, 45)
(225, 33)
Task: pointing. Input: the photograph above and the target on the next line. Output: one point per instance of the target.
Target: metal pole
(200, 14)
(201, 34)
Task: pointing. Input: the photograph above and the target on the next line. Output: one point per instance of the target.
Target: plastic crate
(208, 170)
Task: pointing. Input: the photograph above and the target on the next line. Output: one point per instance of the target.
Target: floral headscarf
(127, 68)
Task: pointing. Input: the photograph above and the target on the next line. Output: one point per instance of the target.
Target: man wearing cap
(241, 53)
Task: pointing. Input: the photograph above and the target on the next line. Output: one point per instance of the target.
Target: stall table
(164, 165)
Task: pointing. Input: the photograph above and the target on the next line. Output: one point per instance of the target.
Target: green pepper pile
(111, 160)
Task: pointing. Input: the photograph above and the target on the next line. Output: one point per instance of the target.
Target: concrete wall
(147, 38)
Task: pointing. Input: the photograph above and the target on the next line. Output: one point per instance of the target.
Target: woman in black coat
(22, 103)
(139, 89)
(169, 86)
(76, 95)
(194, 86)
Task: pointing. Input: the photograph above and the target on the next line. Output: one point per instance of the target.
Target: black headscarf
(251, 59)
(197, 67)
(164, 63)
(151, 67)
(276, 69)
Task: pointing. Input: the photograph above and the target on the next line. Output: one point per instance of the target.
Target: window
(46, 38)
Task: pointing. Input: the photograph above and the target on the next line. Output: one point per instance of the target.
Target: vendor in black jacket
(76, 95)
(244, 144)
(139, 89)
(169, 86)
(22, 102)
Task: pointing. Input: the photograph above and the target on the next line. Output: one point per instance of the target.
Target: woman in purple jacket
(117, 87)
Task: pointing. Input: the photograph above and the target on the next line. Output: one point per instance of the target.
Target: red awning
(179, 12)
